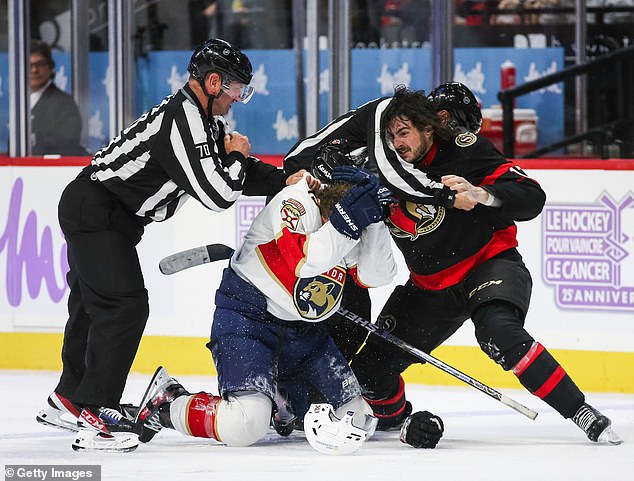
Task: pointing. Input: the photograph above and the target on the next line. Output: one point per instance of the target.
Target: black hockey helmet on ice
(217, 55)
(460, 102)
(336, 153)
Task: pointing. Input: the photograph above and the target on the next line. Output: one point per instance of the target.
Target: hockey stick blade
(489, 391)
(194, 257)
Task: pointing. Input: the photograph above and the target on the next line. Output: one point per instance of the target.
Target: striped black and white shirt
(361, 128)
(172, 153)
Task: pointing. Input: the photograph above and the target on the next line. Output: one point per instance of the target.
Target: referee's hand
(236, 142)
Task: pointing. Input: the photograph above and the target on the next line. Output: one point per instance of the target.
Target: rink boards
(580, 252)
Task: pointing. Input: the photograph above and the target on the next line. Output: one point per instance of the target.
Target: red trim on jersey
(200, 417)
(551, 383)
(354, 273)
(428, 158)
(499, 172)
(500, 241)
(532, 354)
(291, 246)
(282, 256)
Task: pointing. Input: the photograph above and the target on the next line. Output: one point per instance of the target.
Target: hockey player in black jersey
(177, 150)
(455, 226)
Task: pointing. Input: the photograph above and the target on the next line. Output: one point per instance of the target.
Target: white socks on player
(241, 420)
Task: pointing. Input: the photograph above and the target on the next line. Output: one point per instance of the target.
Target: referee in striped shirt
(177, 150)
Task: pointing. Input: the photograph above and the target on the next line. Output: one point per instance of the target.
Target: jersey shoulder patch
(466, 139)
(291, 212)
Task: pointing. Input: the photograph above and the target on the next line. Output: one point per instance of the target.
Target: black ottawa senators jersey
(441, 246)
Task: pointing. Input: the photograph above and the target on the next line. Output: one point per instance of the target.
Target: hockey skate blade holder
(89, 440)
(329, 434)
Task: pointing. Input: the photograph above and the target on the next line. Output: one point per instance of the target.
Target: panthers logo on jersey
(317, 296)
(411, 220)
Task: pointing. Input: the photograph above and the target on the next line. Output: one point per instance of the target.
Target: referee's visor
(238, 91)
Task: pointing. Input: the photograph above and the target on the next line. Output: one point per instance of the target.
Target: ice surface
(483, 440)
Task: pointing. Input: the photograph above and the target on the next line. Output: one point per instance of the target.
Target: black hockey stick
(437, 363)
(194, 257)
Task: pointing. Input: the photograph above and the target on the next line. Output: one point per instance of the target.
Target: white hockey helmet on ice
(330, 435)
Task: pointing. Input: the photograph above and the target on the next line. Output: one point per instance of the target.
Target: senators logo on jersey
(317, 296)
(411, 220)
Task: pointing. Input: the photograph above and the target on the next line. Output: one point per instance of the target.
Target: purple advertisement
(246, 208)
(583, 252)
(32, 258)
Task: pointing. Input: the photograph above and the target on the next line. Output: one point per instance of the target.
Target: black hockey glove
(422, 430)
(358, 209)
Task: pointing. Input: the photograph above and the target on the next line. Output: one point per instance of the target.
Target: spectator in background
(404, 22)
(202, 20)
(510, 18)
(469, 12)
(55, 120)
(560, 18)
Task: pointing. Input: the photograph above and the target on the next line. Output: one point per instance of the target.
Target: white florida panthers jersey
(301, 265)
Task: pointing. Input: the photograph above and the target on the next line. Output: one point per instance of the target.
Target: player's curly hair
(413, 105)
(330, 194)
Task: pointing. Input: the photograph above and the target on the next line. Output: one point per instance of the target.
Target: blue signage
(270, 119)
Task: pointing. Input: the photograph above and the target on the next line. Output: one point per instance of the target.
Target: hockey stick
(437, 363)
(194, 257)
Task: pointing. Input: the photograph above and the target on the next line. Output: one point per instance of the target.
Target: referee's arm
(199, 165)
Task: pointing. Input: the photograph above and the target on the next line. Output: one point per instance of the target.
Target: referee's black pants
(108, 303)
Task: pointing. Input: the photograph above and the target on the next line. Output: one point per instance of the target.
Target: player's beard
(413, 155)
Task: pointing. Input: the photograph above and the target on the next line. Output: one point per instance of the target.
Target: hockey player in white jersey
(267, 336)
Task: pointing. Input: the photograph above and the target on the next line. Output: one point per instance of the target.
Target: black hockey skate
(595, 425)
(105, 429)
(59, 413)
(153, 412)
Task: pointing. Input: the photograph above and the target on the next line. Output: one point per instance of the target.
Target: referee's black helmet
(217, 55)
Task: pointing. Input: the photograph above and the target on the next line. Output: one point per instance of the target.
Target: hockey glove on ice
(422, 430)
(358, 209)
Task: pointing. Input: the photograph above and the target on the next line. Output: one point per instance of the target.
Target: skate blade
(609, 436)
(89, 440)
(56, 421)
(160, 376)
